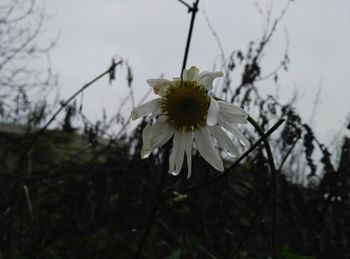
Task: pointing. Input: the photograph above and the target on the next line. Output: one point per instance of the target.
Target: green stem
(274, 186)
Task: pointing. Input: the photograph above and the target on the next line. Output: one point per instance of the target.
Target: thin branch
(287, 155)
(316, 103)
(186, 4)
(157, 204)
(44, 128)
(150, 223)
(216, 36)
(193, 10)
(273, 184)
(282, 63)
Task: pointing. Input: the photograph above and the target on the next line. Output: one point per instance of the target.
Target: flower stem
(185, 4)
(159, 199)
(273, 183)
(193, 10)
(157, 204)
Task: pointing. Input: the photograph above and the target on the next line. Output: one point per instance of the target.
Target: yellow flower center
(186, 105)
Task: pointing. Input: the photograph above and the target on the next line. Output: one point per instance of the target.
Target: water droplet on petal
(174, 173)
(145, 154)
(230, 154)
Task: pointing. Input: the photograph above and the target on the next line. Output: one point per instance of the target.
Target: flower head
(186, 111)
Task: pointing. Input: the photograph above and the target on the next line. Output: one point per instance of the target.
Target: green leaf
(286, 254)
(175, 255)
(295, 256)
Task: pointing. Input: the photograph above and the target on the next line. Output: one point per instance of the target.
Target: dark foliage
(74, 204)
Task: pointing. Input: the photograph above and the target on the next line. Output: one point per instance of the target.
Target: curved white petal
(158, 111)
(235, 130)
(145, 108)
(206, 78)
(224, 140)
(177, 154)
(213, 112)
(155, 136)
(205, 145)
(236, 112)
(172, 158)
(159, 85)
(232, 118)
(180, 155)
(161, 132)
(146, 150)
(158, 81)
(188, 150)
(190, 74)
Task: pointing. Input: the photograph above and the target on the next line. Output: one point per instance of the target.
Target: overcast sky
(151, 35)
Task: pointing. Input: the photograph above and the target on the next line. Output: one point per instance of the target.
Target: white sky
(151, 35)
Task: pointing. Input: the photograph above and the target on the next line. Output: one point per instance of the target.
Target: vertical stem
(157, 203)
(273, 188)
(193, 10)
(150, 222)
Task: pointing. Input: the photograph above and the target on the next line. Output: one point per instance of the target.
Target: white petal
(188, 150)
(235, 130)
(172, 158)
(158, 111)
(190, 74)
(224, 140)
(181, 152)
(205, 145)
(232, 110)
(159, 85)
(156, 135)
(177, 154)
(182, 143)
(146, 150)
(146, 108)
(206, 78)
(232, 118)
(213, 112)
(161, 132)
(158, 81)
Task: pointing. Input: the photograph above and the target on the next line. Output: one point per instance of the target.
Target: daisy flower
(187, 112)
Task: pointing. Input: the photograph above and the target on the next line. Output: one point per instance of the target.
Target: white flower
(186, 111)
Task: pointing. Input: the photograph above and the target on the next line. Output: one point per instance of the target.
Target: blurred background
(152, 39)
